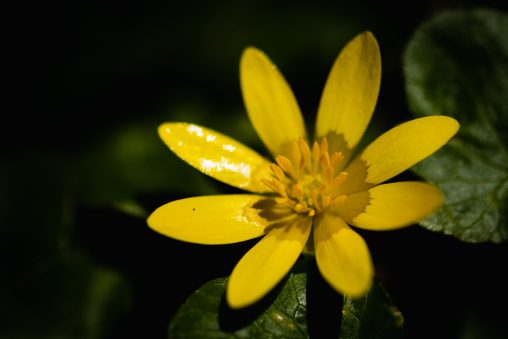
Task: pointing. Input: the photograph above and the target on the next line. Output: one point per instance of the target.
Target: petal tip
(369, 38)
(368, 35)
(250, 54)
(359, 292)
(455, 125)
(165, 128)
(236, 300)
(446, 123)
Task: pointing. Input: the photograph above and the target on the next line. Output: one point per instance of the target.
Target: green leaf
(284, 313)
(372, 316)
(70, 298)
(457, 64)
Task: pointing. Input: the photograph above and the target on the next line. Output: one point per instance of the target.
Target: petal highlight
(266, 264)
(391, 206)
(342, 256)
(399, 149)
(350, 93)
(218, 219)
(217, 155)
(271, 105)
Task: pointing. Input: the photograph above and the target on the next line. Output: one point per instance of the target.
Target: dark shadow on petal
(271, 211)
(337, 143)
(324, 305)
(356, 179)
(353, 206)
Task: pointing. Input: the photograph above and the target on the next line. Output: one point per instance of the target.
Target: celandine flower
(309, 196)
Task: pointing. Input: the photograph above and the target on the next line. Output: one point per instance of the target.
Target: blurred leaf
(206, 315)
(457, 65)
(36, 208)
(71, 298)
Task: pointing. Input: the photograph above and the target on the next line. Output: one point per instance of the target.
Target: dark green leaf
(457, 64)
(283, 314)
(372, 316)
(70, 298)
(205, 314)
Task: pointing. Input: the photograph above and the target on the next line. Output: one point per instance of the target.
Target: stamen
(297, 191)
(296, 158)
(284, 164)
(305, 151)
(338, 200)
(282, 201)
(336, 158)
(324, 160)
(339, 180)
(328, 174)
(314, 196)
(324, 145)
(279, 173)
(275, 186)
(325, 201)
(306, 181)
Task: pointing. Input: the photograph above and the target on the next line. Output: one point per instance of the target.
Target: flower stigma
(309, 180)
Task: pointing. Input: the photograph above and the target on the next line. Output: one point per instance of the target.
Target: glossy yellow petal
(270, 103)
(218, 219)
(217, 155)
(397, 150)
(390, 206)
(267, 263)
(342, 256)
(350, 93)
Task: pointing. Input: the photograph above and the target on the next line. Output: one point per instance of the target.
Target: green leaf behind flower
(457, 64)
(286, 313)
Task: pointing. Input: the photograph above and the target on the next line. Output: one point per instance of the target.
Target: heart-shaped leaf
(457, 64)
(284, 313)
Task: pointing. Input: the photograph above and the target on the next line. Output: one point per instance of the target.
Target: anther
(284, 164)
(306, 180)
(296, 158)
(316, 151)
(324, 145)
(305, 151)
(275, 186)
(336, 158)
(279, 173)
(297, 191)
(339, 199)
(339, 179)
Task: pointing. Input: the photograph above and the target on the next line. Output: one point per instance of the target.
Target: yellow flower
(318, 187)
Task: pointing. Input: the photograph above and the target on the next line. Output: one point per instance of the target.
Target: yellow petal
(219, 219)
(270, 103)
(350, 93)
(397, 150)
(267, 263)
(342, 256)
(217, 155)
(390, 206)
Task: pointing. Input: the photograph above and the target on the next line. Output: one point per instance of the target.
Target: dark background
(82, 164)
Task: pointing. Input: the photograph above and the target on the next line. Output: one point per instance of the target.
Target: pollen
(309, 180)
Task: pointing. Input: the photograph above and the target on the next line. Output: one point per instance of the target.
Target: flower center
(309, 180)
